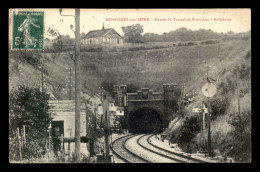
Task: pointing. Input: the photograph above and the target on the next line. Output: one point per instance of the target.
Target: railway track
(171, 153)
(139, 149)
(143, 142)
(121, 151)
(135, 146)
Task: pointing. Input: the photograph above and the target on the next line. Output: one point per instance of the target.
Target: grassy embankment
(150, 68)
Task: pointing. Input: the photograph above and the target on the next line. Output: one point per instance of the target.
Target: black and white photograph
(110, 86)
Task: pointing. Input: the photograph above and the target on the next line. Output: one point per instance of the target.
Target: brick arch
(157, 106)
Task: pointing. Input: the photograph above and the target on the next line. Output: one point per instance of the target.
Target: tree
(230, 33)
(29, 107)
(133, 33)
(67, 40)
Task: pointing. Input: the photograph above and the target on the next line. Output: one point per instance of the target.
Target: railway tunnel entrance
(145, 120)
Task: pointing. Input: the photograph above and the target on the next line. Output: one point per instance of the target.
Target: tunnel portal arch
(145, 120)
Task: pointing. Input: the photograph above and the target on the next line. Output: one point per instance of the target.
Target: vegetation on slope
(152, 68)
(231, 130)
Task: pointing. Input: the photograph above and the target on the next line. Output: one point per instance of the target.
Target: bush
(248, 55)
(108, 86)
(189, 129)
(137, 48)
(191, 44)
(209, 42)
(156, 47)
(219, 107)
(180, 44)
(241, 135)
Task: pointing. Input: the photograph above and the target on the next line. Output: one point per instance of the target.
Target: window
(118, 41)
(57, 131)
(90, 41)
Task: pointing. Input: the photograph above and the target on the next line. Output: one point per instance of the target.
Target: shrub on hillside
(136, 48)
(241, 134)
(227, 86)
(108, 86)
(219, 106)
(156, 47)
(230, 38)
(189, 129)
(191, 44)
(244, 71)
(180, 44)
(248, 55)
(209, 42)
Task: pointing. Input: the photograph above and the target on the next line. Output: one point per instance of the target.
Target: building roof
(98, 33)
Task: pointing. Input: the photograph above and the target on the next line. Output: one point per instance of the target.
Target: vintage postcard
(130, 85)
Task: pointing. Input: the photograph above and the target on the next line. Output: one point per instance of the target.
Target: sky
(160, 20)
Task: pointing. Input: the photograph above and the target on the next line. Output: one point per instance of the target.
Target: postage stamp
(28, 30)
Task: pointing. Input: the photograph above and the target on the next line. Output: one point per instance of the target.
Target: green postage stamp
(28, 30)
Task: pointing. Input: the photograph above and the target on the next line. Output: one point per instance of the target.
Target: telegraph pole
(181, 99)
(42, 78)
(70, 87)
(95, 121)
(77, 81)
(238, 90)
(209, 132)
(106, 120)
(77, 84)
(203, 125)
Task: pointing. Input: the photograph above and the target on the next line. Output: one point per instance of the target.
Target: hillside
(183, 34)
(151, 68)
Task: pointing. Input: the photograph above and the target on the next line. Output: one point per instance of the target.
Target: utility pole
(238, 90)
(77, 81)
(70, 87)
(106, 120)
(181, 99)
(93, 136)
(209, 132)
(42, 78)
(40, 66)
(77, 84)
(95, 121)
(203, 125)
